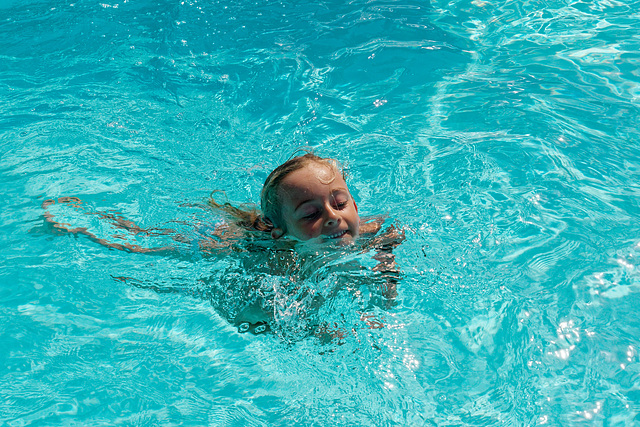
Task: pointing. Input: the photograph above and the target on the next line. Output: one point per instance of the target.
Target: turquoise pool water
(502, 136)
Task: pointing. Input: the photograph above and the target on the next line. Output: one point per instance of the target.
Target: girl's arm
(223, 237)
(118, 222)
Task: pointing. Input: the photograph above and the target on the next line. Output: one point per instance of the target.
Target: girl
(304, 202)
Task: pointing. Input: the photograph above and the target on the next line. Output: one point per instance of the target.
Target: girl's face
(316, 203)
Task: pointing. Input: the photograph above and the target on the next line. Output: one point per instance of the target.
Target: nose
(331, 217)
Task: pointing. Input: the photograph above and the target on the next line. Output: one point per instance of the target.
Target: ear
(277, 233)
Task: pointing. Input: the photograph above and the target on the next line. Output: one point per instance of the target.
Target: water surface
(501, 136)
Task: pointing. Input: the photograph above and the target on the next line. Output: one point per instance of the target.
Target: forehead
(314, 178)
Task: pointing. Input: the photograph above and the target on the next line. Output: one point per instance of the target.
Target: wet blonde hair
(250, 218)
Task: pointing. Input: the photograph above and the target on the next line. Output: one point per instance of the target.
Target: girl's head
(307, 197)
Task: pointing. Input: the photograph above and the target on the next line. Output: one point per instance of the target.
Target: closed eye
(311, 216)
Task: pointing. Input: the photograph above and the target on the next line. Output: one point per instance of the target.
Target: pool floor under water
(500, 138)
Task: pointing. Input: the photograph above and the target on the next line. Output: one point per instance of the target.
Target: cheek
(355, 221)
(302, 230)
(311, 230)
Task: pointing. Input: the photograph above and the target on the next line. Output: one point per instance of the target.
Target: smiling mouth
(337, 235)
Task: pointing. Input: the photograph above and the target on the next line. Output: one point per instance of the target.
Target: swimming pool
(502, 136)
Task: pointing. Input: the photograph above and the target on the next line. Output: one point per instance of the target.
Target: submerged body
(308, 218)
